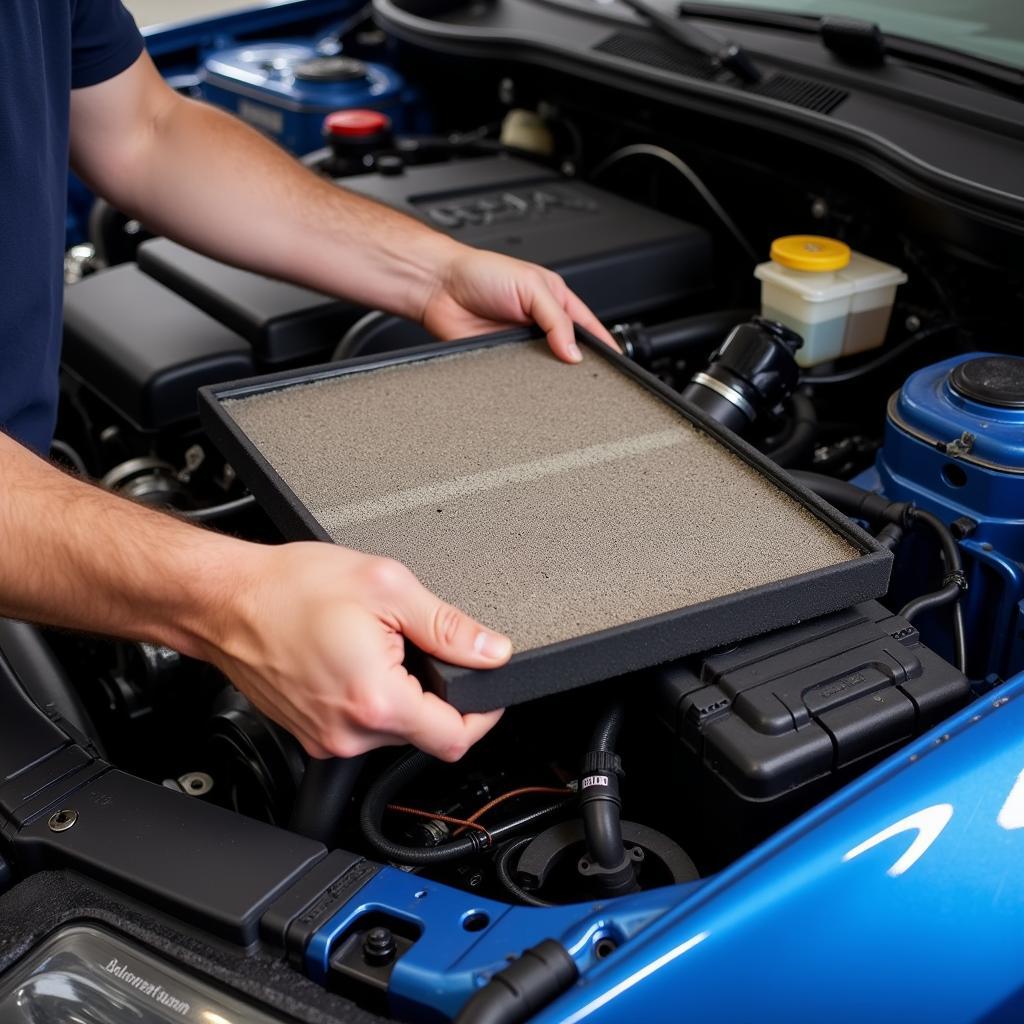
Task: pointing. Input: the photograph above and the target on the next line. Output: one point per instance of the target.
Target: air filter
(582, 510)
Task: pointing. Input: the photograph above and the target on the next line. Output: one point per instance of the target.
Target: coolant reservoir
(838, 300)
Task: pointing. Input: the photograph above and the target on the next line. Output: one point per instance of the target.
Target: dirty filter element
(549, 501)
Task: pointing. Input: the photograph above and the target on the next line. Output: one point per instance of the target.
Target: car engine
(858, 336)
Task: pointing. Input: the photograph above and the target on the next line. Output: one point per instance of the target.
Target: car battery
(285, 89)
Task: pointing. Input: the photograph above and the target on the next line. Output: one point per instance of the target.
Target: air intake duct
(752, 372)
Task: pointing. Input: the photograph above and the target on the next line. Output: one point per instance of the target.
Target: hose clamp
(731, 395)
(956, 576)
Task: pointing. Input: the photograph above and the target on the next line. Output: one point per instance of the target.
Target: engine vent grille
(656, 54)
(791, 89)
(801, 92)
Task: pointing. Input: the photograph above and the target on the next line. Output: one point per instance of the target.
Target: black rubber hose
(408, 767)
(954, 577)
(854, 501)
(678, 338)
(600, 806)
(323, 797)
(504, 871)
(602, 823)
(926, 602)
(800, 442)
(609, 728)
(861, 504)
(890, 536)
(520, 991)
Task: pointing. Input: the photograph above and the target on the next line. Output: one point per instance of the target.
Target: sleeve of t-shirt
(104, 41)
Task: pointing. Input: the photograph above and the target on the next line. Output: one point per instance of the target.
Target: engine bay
(893, 393)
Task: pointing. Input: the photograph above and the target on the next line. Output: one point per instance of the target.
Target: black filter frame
(612, 652)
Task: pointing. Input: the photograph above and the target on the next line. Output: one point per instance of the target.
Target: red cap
(356, 124)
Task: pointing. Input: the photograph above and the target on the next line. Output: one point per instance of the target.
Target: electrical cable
(859, 503)
(503, 870)
(522, 791)
(683, 168)
(883, 360)
(407, 768)
(417, 812)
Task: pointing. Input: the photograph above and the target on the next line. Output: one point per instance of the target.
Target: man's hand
(311, 633)
(313, 636)
(478, 292)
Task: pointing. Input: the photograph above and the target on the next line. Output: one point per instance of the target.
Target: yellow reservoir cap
(810, 252)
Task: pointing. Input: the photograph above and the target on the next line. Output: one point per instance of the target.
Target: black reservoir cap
(993, 380)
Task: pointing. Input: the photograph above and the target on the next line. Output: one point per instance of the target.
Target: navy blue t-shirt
(47, 48)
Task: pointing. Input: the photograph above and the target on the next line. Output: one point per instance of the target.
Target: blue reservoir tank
(954, 444)
(285, 89)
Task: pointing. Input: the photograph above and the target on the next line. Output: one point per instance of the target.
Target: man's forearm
(202, 177)
(78, 557)
(310, 633)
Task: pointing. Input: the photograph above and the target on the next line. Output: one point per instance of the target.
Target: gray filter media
(549, 501)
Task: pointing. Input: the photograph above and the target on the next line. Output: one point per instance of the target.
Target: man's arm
(311, 633)
(202, 177)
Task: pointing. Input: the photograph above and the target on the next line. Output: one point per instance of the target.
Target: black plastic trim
(884, 156)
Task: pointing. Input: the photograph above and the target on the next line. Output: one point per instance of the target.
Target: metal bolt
(61, 821)
(379, 946)
(819, 208)
(195, 783)
(912, 323)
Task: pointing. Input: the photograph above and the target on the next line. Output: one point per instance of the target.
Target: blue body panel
(900, 897)
(436, 976)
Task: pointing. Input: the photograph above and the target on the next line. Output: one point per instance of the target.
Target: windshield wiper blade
(930, 56)
(721, 52)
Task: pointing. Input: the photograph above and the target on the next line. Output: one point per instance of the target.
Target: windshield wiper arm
(721, 52)
(985, 71)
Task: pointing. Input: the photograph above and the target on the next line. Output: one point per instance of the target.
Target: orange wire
(470, 822)
(462, 822)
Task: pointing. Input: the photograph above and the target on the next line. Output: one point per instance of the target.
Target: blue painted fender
(901, 897)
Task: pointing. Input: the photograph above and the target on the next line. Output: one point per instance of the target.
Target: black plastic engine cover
(284, 323)
(623, 259)
(801, 704)
(145, 350)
